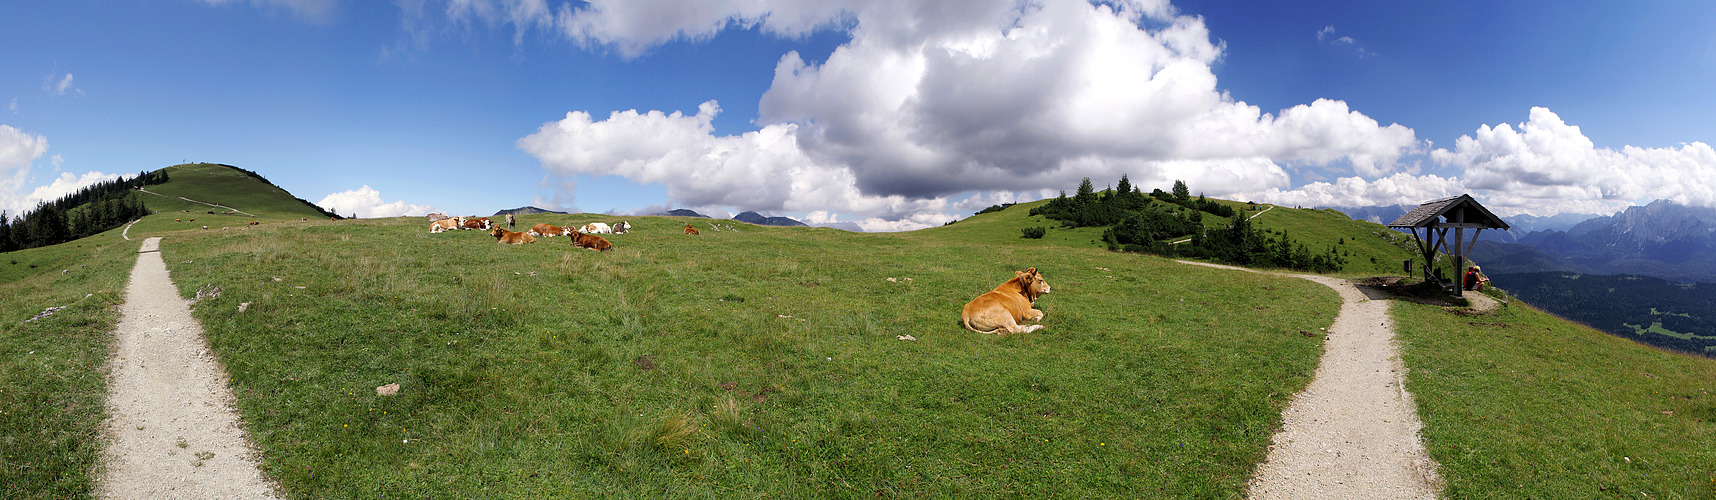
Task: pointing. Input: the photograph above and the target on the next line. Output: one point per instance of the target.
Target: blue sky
(891, 115)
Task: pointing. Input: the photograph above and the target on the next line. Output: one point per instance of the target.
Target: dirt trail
(1353, 432)
(171, 429)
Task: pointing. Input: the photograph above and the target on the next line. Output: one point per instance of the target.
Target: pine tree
(1181, 192)
(6, 233)
(1086, 192)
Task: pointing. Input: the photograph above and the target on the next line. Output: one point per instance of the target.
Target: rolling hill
(775, 361)
(228, 186)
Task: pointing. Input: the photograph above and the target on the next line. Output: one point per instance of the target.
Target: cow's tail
(967, 323)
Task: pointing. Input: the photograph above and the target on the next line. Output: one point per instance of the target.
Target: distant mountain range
(1521, 225)
(681, 212)
(749, 217)
(1663, 239)
(527, 211)
(1643, 273)
(758, 219)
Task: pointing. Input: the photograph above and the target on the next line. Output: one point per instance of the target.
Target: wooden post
(1459, 263)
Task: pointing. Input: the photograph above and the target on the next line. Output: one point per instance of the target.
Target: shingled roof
(1462, 211)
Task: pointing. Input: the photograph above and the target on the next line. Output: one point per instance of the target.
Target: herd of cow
(583, 237)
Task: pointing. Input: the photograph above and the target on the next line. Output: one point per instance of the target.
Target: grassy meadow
(221, 185)
(758, 363)
(801, 362)
(51, 370)
(1521, 404)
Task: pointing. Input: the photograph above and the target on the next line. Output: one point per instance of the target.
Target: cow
(1001, 310)
(177, 220)
(690, 230)
(509, 221)
(477, 223)
(511, 238)
(622, 227)
(590, 241)
(437, 216)
(597, 228)
(546, 230)
(253, 223)
(442, 225)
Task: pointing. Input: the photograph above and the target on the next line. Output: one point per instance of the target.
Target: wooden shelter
(1436, 218)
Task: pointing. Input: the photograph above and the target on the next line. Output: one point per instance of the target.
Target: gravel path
(171, 430)
(1353, 432)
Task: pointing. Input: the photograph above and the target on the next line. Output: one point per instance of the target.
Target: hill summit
(527, 210)
(684, 212)
(759, 219)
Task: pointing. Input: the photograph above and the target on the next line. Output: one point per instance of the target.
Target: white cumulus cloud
(1546, 162)
(18, 151)
(366, 203)
(1542, 166)
(930, 100)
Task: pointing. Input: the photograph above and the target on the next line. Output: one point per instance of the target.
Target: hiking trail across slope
(1353, 431)
(171, 429)
(234, 210)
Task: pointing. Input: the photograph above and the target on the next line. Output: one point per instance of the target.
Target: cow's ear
(1019, 274)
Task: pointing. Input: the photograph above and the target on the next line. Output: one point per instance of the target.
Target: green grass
(1358, 241)
(1521, 404)
(759, 363)
(1371, 249)
(51, 369)
(767, 362)
(221, 185)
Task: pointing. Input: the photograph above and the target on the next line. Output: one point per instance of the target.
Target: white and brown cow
(477, 223)
(442, 225)
(546, 230)
(597, 228)
(622, 227)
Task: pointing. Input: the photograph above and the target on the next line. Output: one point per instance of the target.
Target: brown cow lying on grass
(1000, 310)
(511, 238)
(590, 241)
(547, 230)
(477, 223)
(690, 230)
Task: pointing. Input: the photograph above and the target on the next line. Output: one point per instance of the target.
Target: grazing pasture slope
(760, 361)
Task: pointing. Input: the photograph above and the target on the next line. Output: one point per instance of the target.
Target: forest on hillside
(1676, 316)
(91, 210)
(1151, 223)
